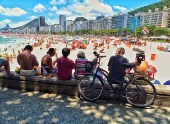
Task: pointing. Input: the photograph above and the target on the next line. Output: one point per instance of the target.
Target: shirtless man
(5, 64)
(26, 60)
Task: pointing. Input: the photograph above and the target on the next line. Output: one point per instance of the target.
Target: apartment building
(120, 21)
(85, 25)
(133, 22)
(158, 18)
(168, 20)
(55, 28)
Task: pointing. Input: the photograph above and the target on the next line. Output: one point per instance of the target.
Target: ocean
(7, 44)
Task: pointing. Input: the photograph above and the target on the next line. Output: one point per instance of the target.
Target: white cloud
(99, 6)
(122, 9)
(83, 9)
(54, 8)
(52, 21)
(39, 8)
(88, 9)
(12, 11)
(63, 12)
(50, 14)
(56, 2)
(4, 22)
(32, 17)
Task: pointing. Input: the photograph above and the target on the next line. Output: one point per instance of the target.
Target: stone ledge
(69, 87)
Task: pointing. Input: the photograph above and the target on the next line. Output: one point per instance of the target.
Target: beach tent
(156, 82)
(163, 37)
(167, 83)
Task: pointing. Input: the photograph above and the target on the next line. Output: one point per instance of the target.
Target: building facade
(42, 21)
(134, 22)
(157, 18)
(120, 21)
(62, 22)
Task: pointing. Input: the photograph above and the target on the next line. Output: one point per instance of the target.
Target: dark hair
(51, 50)
(121, 50)
(140, 56)
(28, 47)
(65, 52)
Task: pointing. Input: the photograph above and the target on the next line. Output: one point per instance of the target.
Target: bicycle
(133, 88)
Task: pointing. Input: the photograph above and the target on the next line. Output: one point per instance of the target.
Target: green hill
(159, 5)
(33, 23)
(80, 19)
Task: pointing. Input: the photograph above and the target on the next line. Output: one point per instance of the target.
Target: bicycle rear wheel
(140, 93)
(91, 87)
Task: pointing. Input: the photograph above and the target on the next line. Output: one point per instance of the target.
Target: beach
(161, 61)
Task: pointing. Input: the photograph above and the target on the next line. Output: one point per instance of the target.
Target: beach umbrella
(156, 82)
(167, 83)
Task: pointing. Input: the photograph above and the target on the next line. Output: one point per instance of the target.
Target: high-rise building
(134, 22)
(42, 21)
(62, 22)
(120, 21)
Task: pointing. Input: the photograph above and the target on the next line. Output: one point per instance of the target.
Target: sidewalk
(22, 107)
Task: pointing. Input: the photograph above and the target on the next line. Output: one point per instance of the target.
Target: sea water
(9, 43)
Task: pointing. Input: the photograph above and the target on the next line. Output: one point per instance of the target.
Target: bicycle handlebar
(98, 55)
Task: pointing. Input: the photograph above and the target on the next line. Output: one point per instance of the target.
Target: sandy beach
(161, 61)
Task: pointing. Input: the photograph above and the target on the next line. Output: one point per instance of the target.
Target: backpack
(151, 71)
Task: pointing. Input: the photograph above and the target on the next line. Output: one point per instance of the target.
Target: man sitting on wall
(27, 61)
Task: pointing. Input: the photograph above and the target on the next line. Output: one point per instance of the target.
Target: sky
(19, 12)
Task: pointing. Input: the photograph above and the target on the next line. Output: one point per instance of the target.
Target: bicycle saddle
(128, 65)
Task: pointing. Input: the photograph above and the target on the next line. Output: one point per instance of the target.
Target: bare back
(27, 61)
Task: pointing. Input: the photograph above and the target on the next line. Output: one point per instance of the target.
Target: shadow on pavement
(23, 107)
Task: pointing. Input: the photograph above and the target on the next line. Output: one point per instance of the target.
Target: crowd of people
(63, 66)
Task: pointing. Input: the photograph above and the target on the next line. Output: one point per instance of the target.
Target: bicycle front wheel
(140, 93)
(91, 87)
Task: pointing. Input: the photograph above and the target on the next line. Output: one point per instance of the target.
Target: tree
(161, 31)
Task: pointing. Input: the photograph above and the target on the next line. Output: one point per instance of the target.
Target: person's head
(140, 56)
(120, 51)
(81, 54)
(65, 52)
(29, 48)
(51, 52)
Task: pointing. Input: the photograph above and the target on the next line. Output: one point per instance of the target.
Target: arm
(18, 59)
(50, 63)
(128, 69)
(109, 64)
(35, 62)
(73, 65)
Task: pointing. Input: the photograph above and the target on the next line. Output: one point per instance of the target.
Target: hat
(81, 54)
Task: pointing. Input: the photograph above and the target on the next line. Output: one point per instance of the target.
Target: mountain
(80, 19)
(152, 7)
(7, 27)
(33, 23)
